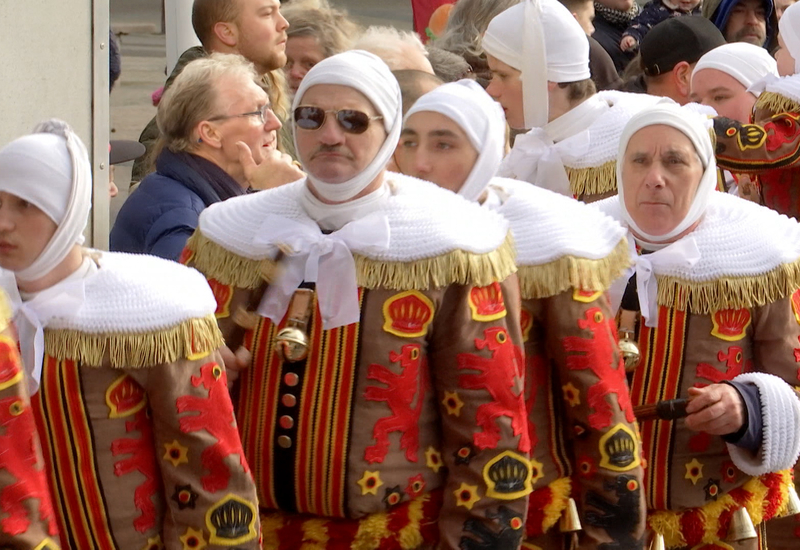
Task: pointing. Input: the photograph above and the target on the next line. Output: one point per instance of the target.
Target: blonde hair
(207, 13)
(192, 97)
(333, 29)
(467, 23)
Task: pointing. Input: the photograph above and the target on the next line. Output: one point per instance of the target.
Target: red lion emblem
(19, 459)
(215, 417)
(142, 460)
(597, 355)
(399, 395)
(498, 376)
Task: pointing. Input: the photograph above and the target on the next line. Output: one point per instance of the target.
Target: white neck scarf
(543, 40)
(789, 27)
(368, 74)
(745, 62)
(480, 117)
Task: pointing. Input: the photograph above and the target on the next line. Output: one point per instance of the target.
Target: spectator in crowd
(753, 21)
(254, 29)
(465, 27)
(611, 18)
(601, 66)
(446, 65)
(653, 13)
(669, 52)
(414, 84)
(218, 137)
(316, 31)
(780, 7)
(544, 86)
(400, 50)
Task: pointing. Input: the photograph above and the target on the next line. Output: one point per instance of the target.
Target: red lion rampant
(142, 460)
(19, 458)
(398, 394)
(215, 417)
(597, 355)
(498, 376)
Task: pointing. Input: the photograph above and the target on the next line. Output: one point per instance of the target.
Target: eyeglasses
(261, 113)
(351, 121)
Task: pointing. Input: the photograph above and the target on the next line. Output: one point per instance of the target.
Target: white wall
(55, 64)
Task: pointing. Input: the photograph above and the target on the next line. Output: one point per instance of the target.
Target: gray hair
(390, 44)
(467, 23)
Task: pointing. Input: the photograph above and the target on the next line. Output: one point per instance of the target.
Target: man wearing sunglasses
(384, 404)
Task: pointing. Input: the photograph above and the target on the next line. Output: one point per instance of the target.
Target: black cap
(124, 150)
(685, 38)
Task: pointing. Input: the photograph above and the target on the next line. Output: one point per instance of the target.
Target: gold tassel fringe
(542, 281)
(456, 267)
(216, 262)
(729, 293)
(561, 490)
(668, 523)
(594, 180)
(5, 311)
(194, 337)
(777, 103)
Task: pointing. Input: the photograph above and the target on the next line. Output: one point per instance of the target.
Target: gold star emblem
(193, 540)
(370, 482)
(154, 543)
(433, 459)
(466, 495)
(452, 403)
(176, 453)
(571, 394)
(694, 471)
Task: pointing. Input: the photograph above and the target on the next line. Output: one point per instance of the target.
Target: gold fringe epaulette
(777, 103)
(5, 311)
(455, 267)
(729, 292)
(543, 281)
(190, 339)
(764, 498)
(595, 180)
(216, 262)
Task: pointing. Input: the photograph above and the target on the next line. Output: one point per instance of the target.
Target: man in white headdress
(539, 57)
(720, 326)
(384, 407)
(579, 416)
(767, 146)
(131, 402)
(722, 79)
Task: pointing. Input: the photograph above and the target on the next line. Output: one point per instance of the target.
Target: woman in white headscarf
(718, 322)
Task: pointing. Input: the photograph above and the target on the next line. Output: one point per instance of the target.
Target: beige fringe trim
(543, 281)
(456, 267)
(216, 262)
(729, 292)
(5, 311)
(777, 103)
(593, 181)
(194, 337)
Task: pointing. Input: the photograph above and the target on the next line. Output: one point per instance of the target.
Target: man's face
(261, 34)
(25, 231)
(244, 96)
(621, 5)
(330, 153)
(302, 53)
(725, 94)
(434, 148)
(661, 173)
(506, 89)
(781, 5)
(747, 23)
(785, 60)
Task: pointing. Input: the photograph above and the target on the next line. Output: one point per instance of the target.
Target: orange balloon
(438, 20)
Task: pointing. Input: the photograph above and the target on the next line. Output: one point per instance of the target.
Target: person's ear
(682, 75)
(208, 134)
(227, 33)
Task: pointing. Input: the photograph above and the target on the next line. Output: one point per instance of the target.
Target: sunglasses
(351, 121)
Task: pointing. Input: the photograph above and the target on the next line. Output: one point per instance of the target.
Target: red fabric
(423, 9)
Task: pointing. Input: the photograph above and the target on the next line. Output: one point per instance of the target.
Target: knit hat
(467, 104)
(677, 39)
(50, 169)
(542, 40)
(368, 74)
(745, 62)
(789, 27)
(696, 126)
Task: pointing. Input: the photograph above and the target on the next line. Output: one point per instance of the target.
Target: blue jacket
(162, 213)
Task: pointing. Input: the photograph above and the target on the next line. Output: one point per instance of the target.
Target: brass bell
(291, 344)
(657, 542)
(630, 351)
(741, 527)
(792, 502)
(570, 521)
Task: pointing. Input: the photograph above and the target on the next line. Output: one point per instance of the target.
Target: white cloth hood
(745, 62)
(789, 27)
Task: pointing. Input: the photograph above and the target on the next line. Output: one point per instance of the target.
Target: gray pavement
(138, 25)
